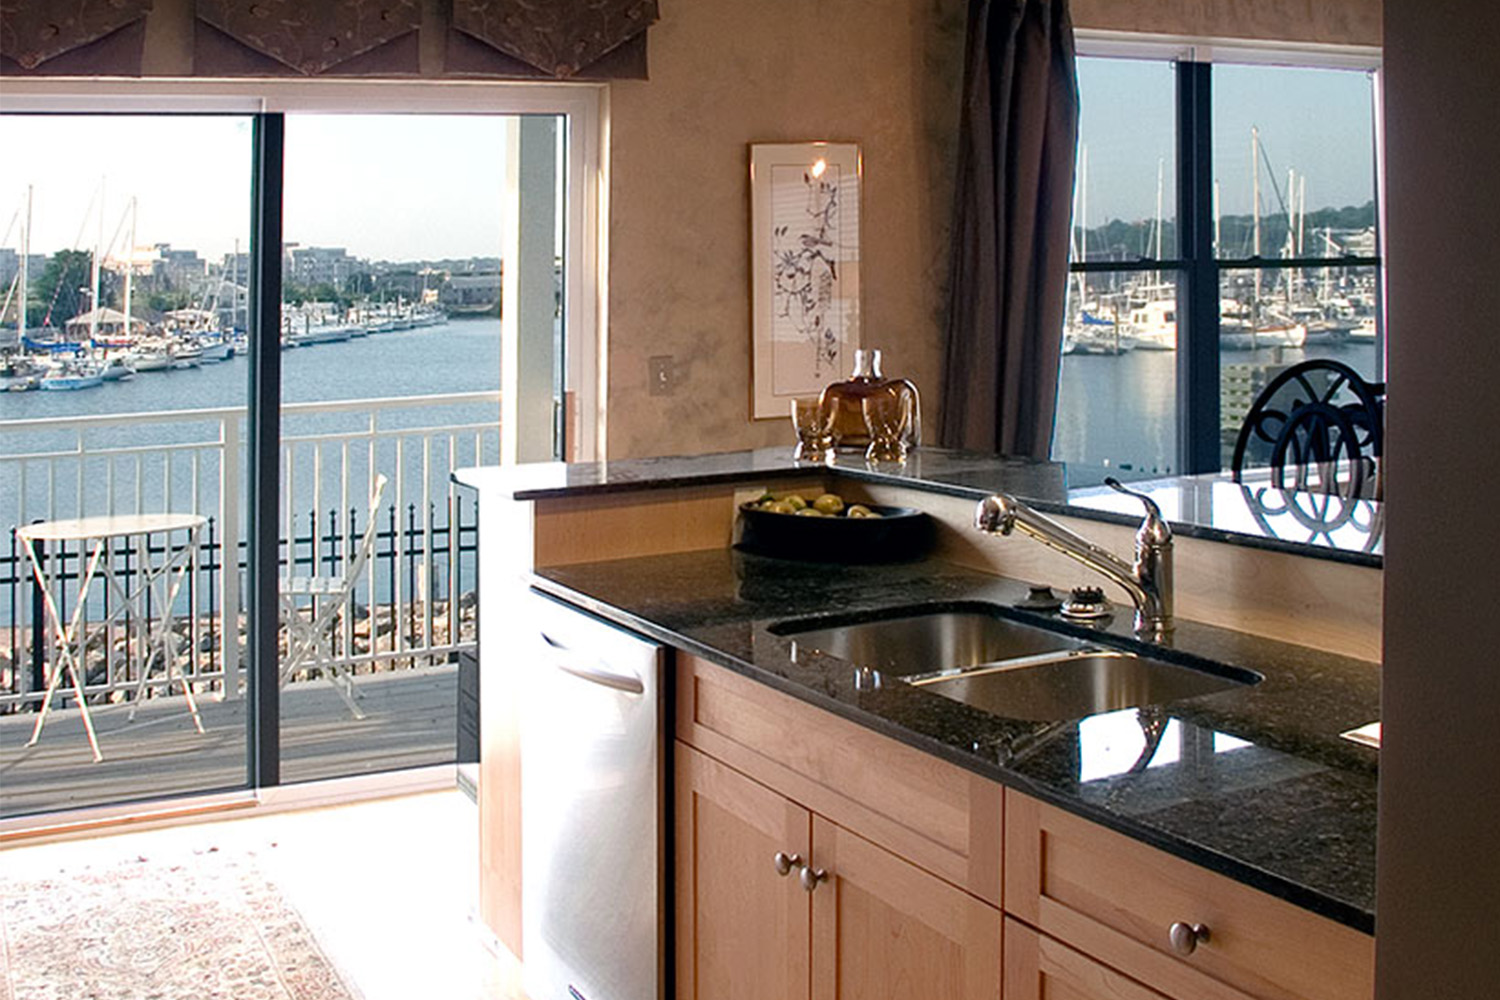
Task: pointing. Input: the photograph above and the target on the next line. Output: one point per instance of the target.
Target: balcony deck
(410, 722)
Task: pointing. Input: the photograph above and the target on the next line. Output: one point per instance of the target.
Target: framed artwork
(804, 265)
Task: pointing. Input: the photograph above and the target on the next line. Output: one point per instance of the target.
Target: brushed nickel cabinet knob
(786, 862)
(1186, 937)
(812, 876)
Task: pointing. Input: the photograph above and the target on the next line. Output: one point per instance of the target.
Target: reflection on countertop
(1254, 508)
(1212, 507)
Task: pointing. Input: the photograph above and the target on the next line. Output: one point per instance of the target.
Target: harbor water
(461, 355)
(1117, 414)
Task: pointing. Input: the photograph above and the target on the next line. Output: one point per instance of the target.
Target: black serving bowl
(898, 534)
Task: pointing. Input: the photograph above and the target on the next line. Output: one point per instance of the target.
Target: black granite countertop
(1208, 507)
(1253, 782)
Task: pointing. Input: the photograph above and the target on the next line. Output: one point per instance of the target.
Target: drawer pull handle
(786, 862)
(1187, 937)
(812, 876)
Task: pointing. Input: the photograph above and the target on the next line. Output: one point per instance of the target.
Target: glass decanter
(846, 399)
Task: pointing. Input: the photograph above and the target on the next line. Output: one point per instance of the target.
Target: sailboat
(71, 375)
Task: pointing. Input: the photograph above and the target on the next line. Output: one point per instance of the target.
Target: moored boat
(117, 368)
(71, 376)
(1238, 337)
(1153, 325)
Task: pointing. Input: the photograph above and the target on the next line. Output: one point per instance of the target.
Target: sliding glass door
(283, 331)
(122, 470)
(393, 293)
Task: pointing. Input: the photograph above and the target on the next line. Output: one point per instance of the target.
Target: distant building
(236, 267)
(318, 265)
(180, 270)
(474, 294)
(1359, 242)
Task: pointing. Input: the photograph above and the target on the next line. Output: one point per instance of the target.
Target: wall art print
(804, 207)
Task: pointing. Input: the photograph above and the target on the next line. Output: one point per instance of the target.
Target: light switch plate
(662, 374)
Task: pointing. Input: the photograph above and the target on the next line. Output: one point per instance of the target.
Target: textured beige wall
(883, 73)
(1345, 22)
(724, 73)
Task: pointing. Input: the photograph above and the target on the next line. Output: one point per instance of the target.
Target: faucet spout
(1148, 580)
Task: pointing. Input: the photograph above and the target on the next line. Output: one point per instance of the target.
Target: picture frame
(804, 253)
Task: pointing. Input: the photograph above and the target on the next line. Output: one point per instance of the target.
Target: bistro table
(161, 580)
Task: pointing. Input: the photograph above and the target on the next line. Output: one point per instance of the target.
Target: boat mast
(25, 276)
(1083, 227)
(1217, 208)
(1289, 247)
(234, 284)
(1255, 210)
(1301, 211)
(129, 267)
(1329, 249)
(1160, 168)
(98, 263)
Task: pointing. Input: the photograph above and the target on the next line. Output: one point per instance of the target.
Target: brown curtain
(1009, 272)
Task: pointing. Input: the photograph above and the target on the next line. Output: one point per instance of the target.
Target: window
(1225, 227)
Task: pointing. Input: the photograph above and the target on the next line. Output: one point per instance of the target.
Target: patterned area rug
(198, 927)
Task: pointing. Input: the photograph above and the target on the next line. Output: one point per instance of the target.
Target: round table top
(108, 526)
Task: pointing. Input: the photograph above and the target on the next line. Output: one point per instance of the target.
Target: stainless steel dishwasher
(593, 795)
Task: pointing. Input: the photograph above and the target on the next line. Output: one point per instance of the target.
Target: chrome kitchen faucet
(1148, 581)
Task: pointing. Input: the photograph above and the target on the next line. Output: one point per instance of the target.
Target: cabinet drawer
(1116, 898)
(1039, 968)
(936, 815)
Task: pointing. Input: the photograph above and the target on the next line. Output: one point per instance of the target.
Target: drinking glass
(813, 422)
(888, 417)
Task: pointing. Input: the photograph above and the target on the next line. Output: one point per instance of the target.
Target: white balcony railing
(410, 606)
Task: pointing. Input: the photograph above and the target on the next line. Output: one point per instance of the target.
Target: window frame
(1198, 269)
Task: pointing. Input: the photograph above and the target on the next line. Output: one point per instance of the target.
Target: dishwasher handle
(591, 672)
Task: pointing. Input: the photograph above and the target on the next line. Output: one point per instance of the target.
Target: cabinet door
(883, 929)
(1039, 968)
(743, 930)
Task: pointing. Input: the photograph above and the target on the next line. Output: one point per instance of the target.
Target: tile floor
(389, 887)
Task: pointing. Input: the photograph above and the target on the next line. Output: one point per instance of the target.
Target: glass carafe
(846, 402)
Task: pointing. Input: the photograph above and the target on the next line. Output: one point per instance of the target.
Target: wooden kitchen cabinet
(939, 817)
(1039, 968)
(859, 923)
(883, 929)
(743, 929)
(1115, 900)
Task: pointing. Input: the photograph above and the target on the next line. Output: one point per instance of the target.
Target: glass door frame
(585, 255)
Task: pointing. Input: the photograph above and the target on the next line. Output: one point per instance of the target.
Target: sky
(1317, 121)
(391, 187)
(407, 187)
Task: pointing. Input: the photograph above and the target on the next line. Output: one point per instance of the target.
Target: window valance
(558, 39)
(78, 38)
(310, 37)
(562, 38)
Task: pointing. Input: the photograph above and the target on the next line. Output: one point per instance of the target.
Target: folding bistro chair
(309, 638)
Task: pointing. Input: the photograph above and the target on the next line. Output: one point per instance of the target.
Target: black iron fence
(413, 603)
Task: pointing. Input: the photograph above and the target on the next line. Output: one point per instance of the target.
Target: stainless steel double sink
(978, 656)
